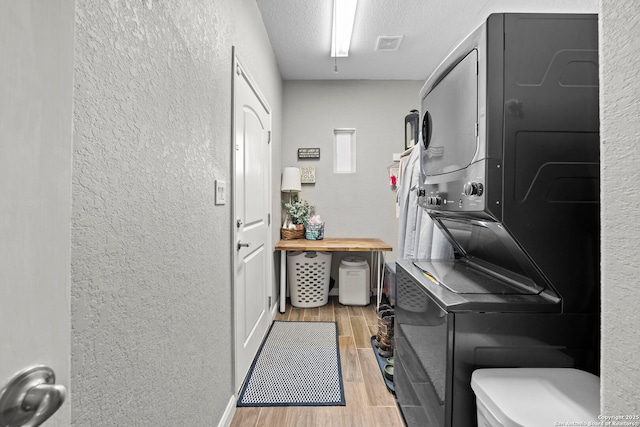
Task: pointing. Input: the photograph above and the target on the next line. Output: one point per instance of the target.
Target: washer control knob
(473, 189)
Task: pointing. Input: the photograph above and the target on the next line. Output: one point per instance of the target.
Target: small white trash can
(354, 281)
(534, 397)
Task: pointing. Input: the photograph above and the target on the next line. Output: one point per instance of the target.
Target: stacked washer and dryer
(510, 173)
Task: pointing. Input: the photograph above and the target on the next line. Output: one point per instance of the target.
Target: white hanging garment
(406, 222)
(418, 235)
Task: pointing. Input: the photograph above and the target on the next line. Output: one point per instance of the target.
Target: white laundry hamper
(309, 276)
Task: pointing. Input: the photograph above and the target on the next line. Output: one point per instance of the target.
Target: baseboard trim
(229, 412)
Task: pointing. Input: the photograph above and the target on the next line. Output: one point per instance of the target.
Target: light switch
(221, 192)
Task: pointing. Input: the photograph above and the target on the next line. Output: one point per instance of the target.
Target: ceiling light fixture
(344, 13)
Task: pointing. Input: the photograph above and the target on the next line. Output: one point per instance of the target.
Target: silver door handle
(243, 245)
(30, 397)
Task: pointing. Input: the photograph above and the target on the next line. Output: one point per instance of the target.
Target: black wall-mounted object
(411, 129)
(308, 153)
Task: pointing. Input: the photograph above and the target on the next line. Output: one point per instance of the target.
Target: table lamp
(290, 184)
(291, 181)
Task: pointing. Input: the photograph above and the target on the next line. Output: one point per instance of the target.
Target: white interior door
(36, 99)
(252, 279)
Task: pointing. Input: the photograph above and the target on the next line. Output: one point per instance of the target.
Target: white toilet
(535, 397)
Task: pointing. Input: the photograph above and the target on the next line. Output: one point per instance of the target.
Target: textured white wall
(151, 261)
(360, 204)
(620, 159)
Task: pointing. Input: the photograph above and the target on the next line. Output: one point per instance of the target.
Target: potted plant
(299, 211)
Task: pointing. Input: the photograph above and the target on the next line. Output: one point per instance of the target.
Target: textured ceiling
(300, 33)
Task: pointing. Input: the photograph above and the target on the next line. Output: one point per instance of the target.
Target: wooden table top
(334, 244)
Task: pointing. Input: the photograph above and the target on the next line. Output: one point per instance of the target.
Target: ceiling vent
(388, 42)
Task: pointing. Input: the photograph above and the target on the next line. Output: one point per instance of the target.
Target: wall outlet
(221, 192)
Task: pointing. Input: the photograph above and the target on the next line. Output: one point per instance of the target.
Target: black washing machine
(509, 162)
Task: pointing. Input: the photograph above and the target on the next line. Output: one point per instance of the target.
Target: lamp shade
(291, 180)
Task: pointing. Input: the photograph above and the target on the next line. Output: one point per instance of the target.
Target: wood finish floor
(368, 401)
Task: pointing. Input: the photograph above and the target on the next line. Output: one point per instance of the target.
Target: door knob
(242, 245)
(30, 397)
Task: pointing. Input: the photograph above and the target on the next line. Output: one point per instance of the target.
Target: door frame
(237, 70)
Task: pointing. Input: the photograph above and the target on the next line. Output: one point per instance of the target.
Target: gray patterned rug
(298, 364)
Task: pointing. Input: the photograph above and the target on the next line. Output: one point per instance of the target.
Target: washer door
(450, 119)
